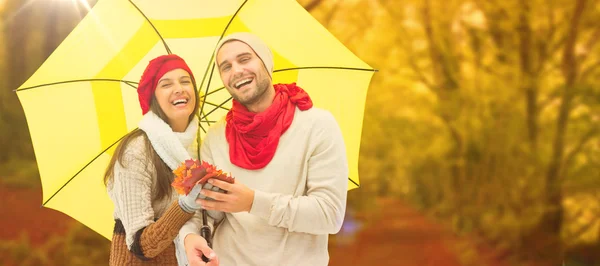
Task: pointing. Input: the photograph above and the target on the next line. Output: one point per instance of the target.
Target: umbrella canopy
(83, 100)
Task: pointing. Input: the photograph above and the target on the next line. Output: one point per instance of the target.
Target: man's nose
(237, 69)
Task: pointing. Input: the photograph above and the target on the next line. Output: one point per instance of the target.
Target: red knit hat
(153, 72)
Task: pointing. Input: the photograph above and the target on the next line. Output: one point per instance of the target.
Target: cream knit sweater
(300, 196)
(132, 189)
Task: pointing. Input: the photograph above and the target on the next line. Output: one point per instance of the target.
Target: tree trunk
(16, 57)
(527, 72)
(51, 37)
(552, 220)
(446, 87)
(312, 5)
(4, 88)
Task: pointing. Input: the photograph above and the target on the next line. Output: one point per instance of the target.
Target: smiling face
(244, 75)
(176, 97)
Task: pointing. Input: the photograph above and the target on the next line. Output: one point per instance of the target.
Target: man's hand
(238, 198)
(195, 246)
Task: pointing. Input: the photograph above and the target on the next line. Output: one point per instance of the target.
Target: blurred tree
(309, 6)
(3, 82)
(32, 31)
(15, 137)
(483, 112)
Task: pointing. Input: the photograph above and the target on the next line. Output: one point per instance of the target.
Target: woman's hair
(164, 176)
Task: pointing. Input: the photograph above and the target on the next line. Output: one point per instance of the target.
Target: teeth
(179, 101)
(237, 85)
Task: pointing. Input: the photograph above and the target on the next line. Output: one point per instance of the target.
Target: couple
(288, 159)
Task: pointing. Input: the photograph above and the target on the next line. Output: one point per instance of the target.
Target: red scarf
(253, 137)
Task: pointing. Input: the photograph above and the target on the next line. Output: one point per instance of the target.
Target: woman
(148, 212)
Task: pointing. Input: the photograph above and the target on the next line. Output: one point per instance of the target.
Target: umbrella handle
(205, 232)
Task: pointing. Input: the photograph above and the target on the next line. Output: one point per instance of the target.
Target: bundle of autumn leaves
(192, 172)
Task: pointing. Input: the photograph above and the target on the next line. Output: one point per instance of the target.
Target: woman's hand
(195, 247)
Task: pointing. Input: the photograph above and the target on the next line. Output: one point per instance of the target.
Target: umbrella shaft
(205, 232)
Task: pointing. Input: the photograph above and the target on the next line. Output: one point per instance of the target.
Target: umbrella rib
(129, 83)
(300, 68)
(198, 140)
(209, 93)
(353, 182)
(203, 130)
(205, 119)
(326, 67)
(80, 170)
(211, 63)
(153, 27)
(219, 106)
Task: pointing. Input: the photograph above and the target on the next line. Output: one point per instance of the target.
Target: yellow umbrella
(82, 100)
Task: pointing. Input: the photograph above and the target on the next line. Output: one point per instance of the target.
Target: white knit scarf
(173, 148)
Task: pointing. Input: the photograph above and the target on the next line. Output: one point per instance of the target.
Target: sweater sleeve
(152, 240)
(131, 190)
(322, 209)
(131, 193)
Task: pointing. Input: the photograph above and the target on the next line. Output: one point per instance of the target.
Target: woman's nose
(178, 88)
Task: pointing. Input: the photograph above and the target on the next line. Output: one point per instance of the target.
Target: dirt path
(400, 236)
(407, 238)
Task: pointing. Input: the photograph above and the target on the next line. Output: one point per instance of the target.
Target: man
(289, 163)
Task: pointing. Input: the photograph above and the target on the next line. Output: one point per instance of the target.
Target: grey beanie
(260, 48)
